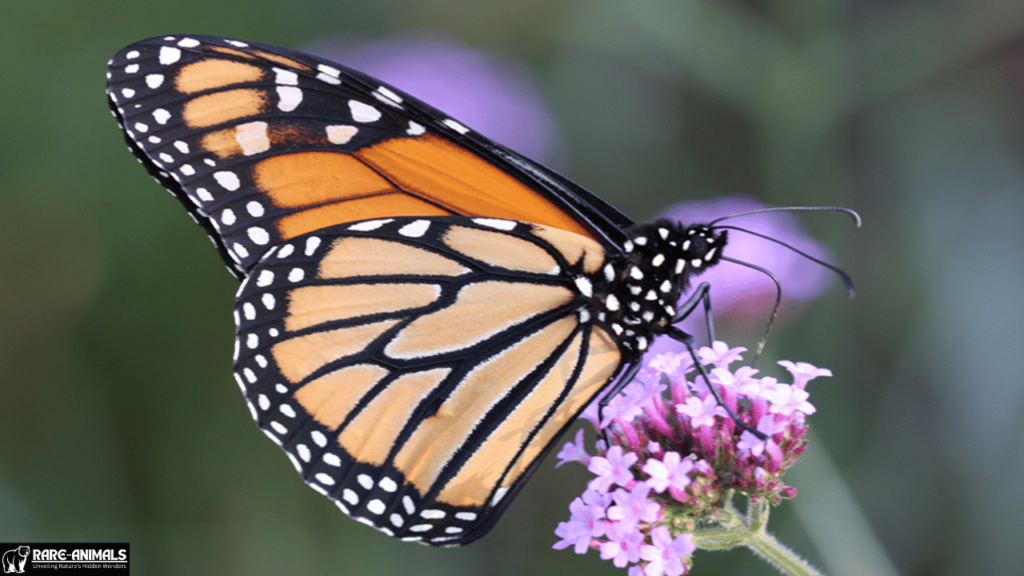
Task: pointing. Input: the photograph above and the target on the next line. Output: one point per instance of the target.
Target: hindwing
(416, 370)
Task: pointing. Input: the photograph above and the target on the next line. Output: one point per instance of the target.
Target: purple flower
(788, 399)
(754, 445)
(493, 94)
(623, 545)
(671, 471)
(803, 372)
(611, 469)
(702, 412)
(573, 451)
(633, 507)
(673, 364)
(675, 469)
(720, 354)
(665, 555)
(584, 522)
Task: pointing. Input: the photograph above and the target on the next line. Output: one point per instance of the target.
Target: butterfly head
(647, 279)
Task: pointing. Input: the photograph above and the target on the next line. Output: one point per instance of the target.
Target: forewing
(264, 145)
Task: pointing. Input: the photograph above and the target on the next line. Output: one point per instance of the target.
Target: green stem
(736, 529)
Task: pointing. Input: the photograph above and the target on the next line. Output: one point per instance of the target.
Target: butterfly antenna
(851, 213)
(847, 281)
(775, 309)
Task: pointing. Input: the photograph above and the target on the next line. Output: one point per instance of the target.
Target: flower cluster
(670, 457)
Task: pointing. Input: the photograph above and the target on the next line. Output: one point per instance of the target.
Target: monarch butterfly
(422, 312)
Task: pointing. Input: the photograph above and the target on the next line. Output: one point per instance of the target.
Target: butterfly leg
(702, 294)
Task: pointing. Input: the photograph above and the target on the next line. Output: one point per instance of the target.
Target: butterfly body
(422, 311)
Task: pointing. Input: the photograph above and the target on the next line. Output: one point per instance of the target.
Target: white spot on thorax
(611, 303)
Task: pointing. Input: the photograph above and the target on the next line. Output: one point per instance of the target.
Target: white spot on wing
(312, 243)
(415, 129)
(290, 97)
(254, 208)
(161, 116)
(258, 235)
(252, 137)
(266, 278)
(228, 180)
(368, 225)
(132, 55)
(282, 76)
(169, 55)
(341, 134)
(363, 112)
(154, 81)
(454, 125)
(496, 223)
(188, 43)
(324, 479)
(415, 229)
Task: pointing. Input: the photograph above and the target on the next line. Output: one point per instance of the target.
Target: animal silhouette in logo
(14, 560)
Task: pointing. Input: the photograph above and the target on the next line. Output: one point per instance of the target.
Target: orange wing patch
(434, 168)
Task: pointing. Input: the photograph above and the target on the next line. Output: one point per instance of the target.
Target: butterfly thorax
(638, 289)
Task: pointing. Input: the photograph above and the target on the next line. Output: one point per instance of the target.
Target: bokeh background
(119, 420)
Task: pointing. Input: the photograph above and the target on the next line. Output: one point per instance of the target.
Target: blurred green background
(119, 420)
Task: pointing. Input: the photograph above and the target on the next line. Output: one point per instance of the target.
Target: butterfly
(422, 312)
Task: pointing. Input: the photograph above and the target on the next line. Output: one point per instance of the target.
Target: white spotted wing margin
(220, 123)
(417, 370)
